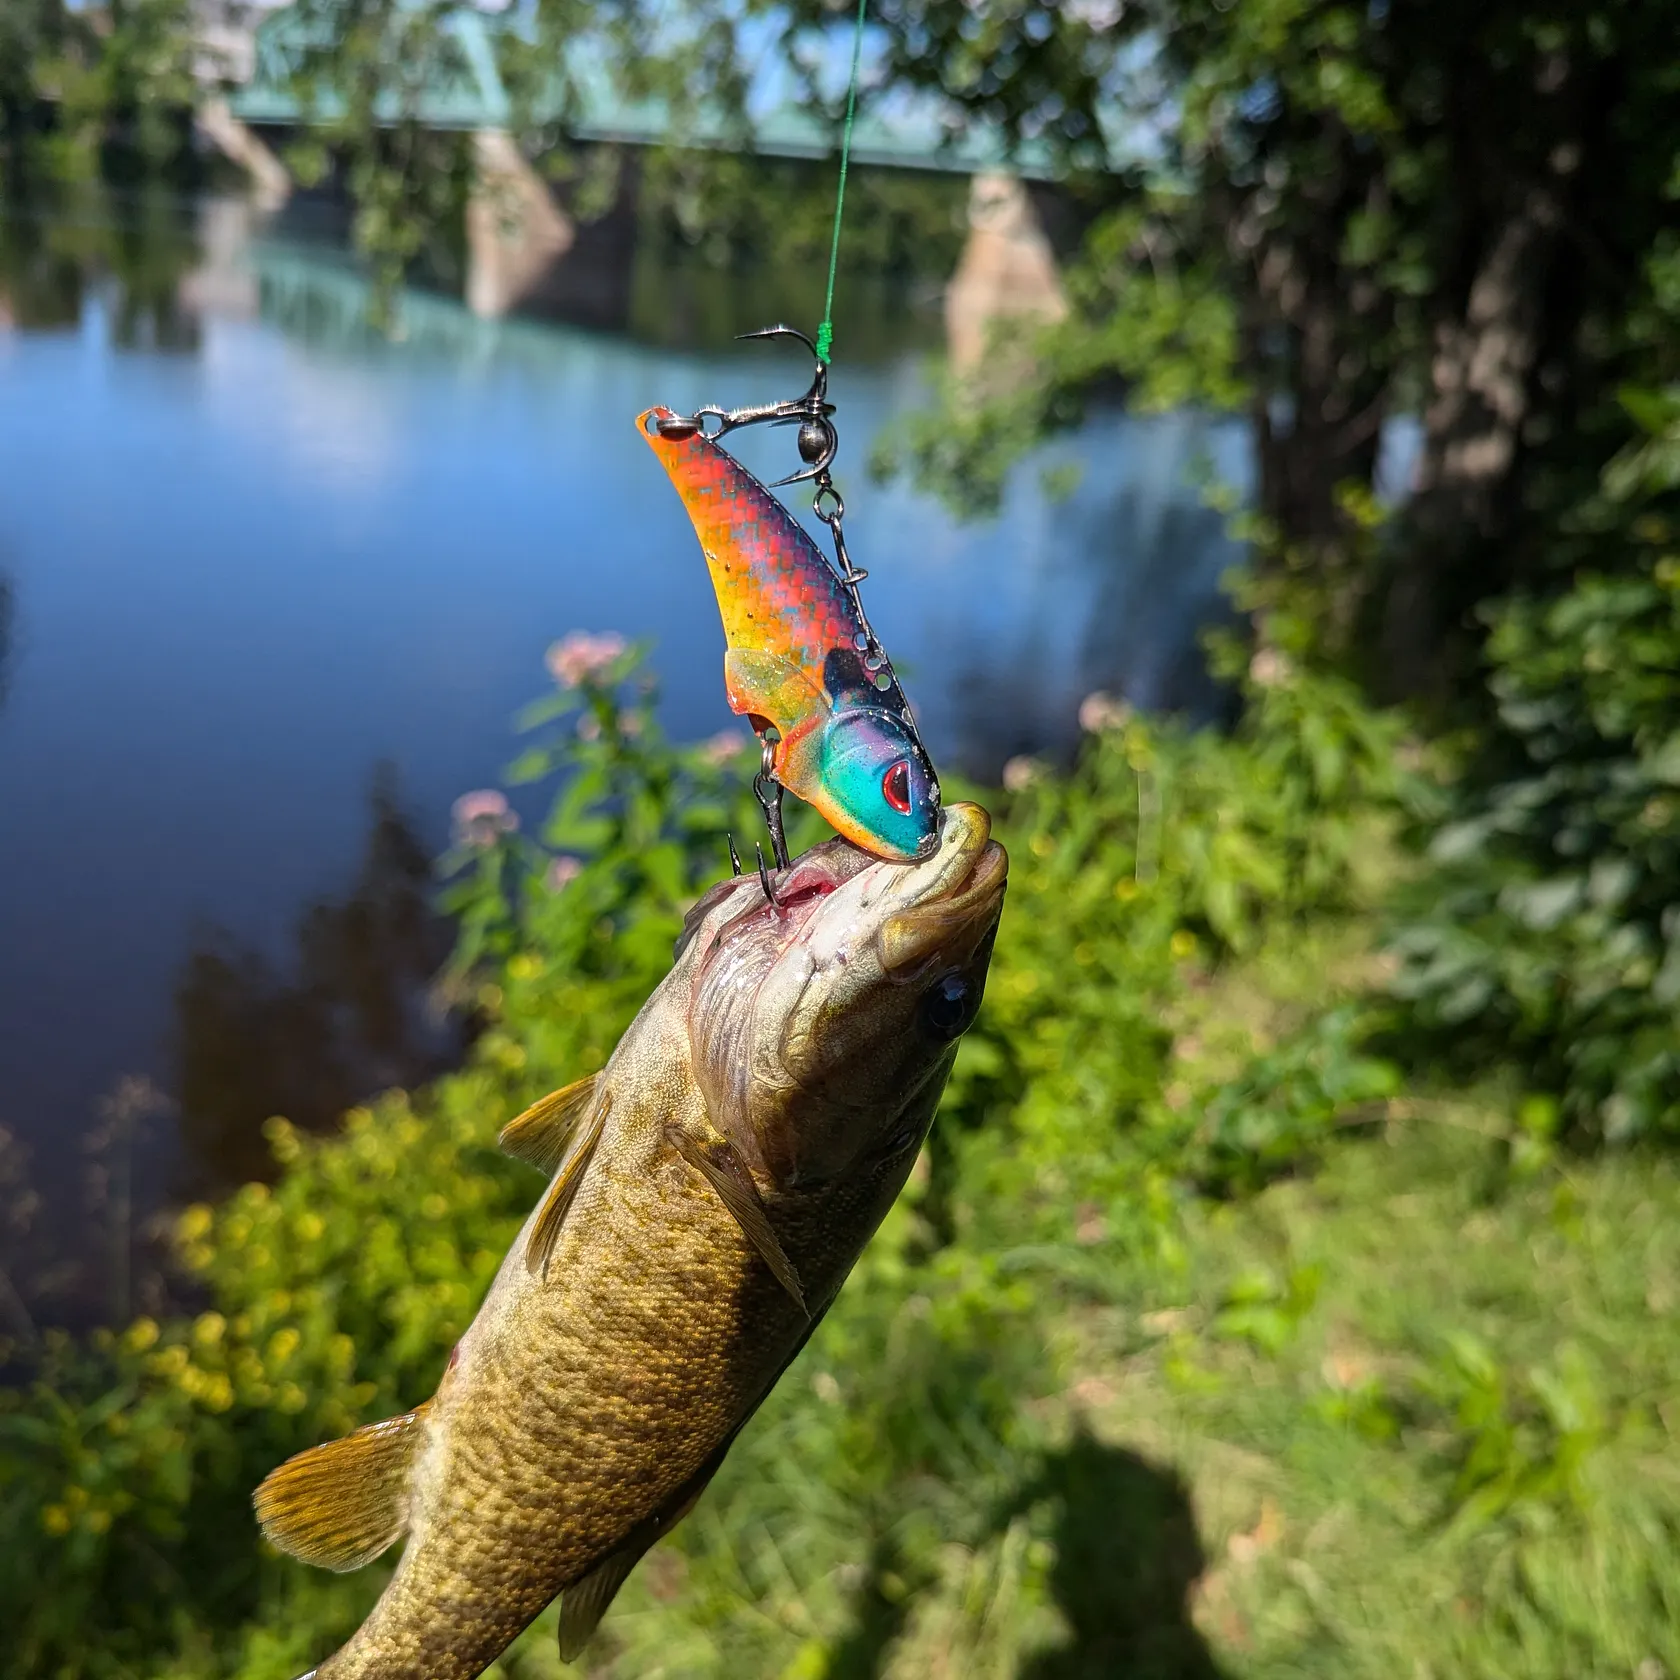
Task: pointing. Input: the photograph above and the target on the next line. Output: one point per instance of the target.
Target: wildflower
(724, 747)
(1100, 711)
(482, 818)
(589, 727)
(562, 872)
(631, 724)
(141, 1334)
(1020, 773)
(579, 656)
(1269, 669)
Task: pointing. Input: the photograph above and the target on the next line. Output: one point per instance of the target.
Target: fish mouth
(943, 904)
(950, 903)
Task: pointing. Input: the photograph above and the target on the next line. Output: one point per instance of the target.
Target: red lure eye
(896, 786)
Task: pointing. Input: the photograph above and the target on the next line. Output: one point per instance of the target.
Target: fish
(710, 1189)
(795, 658)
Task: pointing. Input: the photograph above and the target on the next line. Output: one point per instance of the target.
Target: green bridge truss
(465, 91)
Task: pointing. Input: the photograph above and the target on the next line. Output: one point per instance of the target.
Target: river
(259, 564)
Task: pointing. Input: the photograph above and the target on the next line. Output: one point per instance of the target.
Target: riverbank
(1204, 1342)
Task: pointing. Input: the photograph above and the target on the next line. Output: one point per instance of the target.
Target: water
(254, 553)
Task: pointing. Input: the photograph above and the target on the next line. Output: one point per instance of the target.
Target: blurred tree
(91, 89)
(1336, 214)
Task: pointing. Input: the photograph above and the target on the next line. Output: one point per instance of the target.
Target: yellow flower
(310, 1226)
(1125, 889)
(141, 1334)
(194, 1223)
(434, 1206)
(207, 1332)
(55, 1520)
(217, 1393)
(282, 1345)
(524, 967)
(97, 1521)
(1183, 944)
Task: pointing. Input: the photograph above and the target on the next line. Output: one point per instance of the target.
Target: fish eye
(895, 786)
(949, 1007)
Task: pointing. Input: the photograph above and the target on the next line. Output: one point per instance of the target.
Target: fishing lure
(803, 665)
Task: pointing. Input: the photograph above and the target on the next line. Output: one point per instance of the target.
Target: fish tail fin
(341, 1504)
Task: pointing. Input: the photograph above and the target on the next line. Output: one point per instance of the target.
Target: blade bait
(803, 664)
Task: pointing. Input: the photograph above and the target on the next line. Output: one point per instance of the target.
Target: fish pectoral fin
(340, 1505)
(720, 1164)
(586, 1601)
(770, 686)
(563, 1191)
(540, 1135)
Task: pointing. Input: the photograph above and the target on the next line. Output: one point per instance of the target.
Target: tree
(1337, 214)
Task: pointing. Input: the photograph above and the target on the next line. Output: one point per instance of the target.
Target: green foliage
(335, 1295)
(81, 92)
(1327, 218)
(1547, 931)
(1287, 1103)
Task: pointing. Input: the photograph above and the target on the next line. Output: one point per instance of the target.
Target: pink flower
(589, 727)
(1021, 773)
(482, 817)
(1100, 711)
(1269, 669)
(562, 872)
(630, 724)
(577, 657)
(724, 747)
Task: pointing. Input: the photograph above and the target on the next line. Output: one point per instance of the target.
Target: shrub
(1547, 932)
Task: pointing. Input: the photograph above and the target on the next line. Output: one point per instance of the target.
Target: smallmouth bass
(711, 1188)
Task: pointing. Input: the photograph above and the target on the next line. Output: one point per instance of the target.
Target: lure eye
(949, 1007)
(895, 786)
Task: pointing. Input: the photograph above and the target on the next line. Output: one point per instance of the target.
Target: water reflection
(135, 250)
(261, 549)
(8, 622)
(352, 1018)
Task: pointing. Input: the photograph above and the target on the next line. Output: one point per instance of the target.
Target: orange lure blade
(847, 745)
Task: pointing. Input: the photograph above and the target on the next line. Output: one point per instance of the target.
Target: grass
(1411, 1413)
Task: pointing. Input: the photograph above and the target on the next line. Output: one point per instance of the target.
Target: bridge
(517, 233)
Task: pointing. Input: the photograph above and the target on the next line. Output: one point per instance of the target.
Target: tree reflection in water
(355, 1018)
(133, 249)
(8, 620)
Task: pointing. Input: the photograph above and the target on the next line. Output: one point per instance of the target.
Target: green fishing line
(825, 333)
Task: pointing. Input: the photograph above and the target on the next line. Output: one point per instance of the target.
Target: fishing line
(825, 333)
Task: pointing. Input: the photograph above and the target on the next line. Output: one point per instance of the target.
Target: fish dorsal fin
(585, 1602)
(720, 1164)
(341, 1504)
(563, 1191)
(771, 687)
(540, 1135)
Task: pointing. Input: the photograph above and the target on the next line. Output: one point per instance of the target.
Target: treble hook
(734, 856)
(768, 792)
(764, 878)
(818, 440)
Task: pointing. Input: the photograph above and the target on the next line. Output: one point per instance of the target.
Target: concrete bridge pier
(271, 184)
(515, 230)
(1007, 270)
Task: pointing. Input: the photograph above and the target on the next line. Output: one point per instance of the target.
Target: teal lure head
(874, 771)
